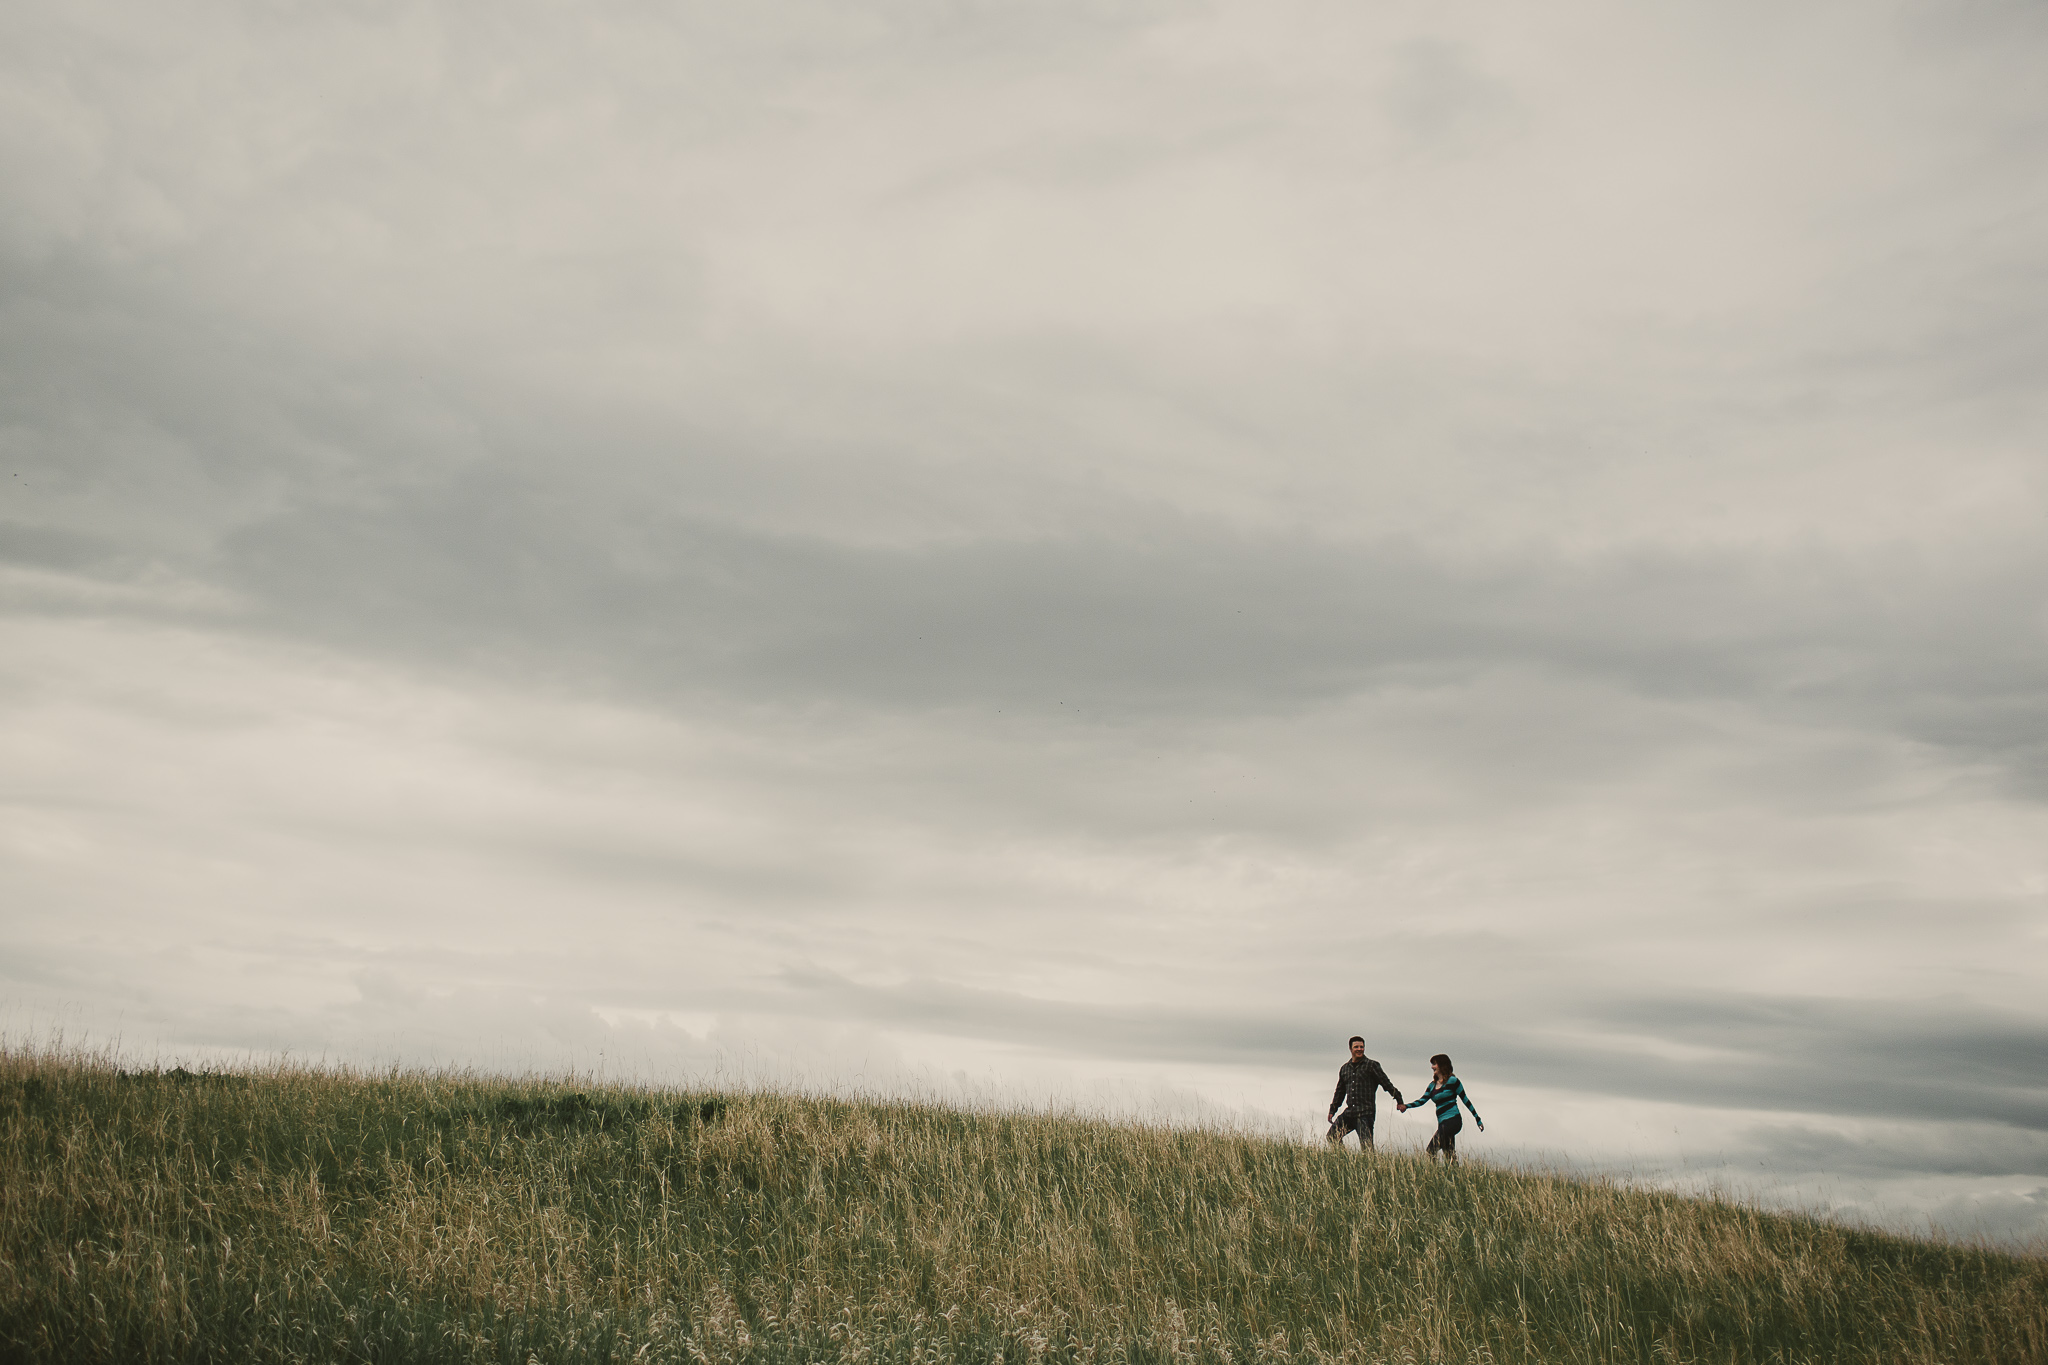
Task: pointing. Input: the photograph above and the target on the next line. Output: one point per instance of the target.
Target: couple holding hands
(1359, 1078)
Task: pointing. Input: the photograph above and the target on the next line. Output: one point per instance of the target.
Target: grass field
(310, 1215)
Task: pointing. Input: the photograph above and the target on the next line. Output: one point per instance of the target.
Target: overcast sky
(1071, 553)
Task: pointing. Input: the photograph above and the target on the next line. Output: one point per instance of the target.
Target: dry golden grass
(303, 1215)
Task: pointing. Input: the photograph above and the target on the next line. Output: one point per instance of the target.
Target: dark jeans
(1446, 1139)
(1351, 1122)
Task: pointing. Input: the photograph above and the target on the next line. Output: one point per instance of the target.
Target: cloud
(1861, 1058)
(1924, 1148)
(1814, 1055)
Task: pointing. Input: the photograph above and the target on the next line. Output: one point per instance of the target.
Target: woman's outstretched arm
(1466, 1096)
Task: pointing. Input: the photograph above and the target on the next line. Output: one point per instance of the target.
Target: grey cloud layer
(1865, 1058)
(420, 512)
(1930, 1151)
(518, 554)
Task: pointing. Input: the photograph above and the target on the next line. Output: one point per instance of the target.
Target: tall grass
(309, 1215)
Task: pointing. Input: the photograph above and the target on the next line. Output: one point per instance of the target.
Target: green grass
(323, 1215)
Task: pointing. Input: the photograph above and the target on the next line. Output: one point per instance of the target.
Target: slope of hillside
(297, 1215)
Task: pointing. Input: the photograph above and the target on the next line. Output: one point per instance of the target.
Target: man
(1358, 1083)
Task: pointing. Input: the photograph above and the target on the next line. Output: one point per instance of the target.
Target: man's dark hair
(1442, 1059)
(1354, 1038)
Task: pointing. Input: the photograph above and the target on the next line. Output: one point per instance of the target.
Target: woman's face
(1443, 1073)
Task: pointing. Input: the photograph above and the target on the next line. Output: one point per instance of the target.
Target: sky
(1051, 554)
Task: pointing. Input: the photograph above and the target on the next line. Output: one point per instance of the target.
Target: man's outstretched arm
(1388, 1085)
(1337, 1098)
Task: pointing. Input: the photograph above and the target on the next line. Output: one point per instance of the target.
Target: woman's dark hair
(1442, 1059)
(1354, 1038)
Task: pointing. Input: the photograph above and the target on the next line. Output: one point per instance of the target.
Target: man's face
(1357, 1051)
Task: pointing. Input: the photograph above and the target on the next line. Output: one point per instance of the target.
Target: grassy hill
(297, 1215)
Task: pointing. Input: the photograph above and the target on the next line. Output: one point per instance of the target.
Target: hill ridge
(308, 1214)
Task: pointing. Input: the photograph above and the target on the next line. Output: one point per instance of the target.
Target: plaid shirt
(1358, 1084)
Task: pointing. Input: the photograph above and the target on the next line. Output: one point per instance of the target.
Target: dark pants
(1446, 1139)
(1352, 1122)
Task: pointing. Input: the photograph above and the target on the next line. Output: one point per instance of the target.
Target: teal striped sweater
(1446, 1093)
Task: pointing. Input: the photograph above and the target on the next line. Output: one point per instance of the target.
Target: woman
(1446, 1089)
